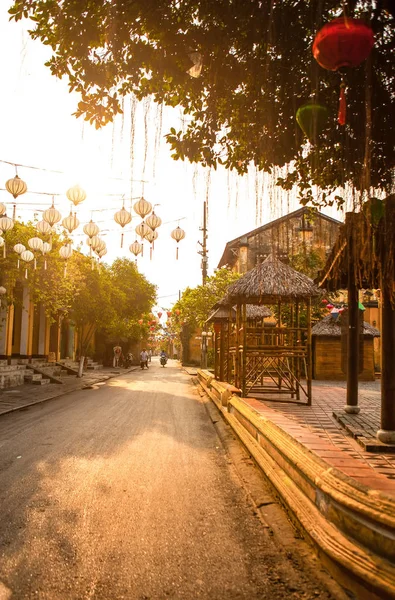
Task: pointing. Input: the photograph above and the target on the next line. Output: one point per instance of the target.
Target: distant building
(304, 229)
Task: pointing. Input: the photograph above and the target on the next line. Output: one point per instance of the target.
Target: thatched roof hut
(253, 312)
(332, 328)
(270, 282)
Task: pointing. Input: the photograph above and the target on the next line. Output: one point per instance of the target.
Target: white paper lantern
(153, 221)
(136, 248)
(91, 229)
(35, 244)
(3, 292)
(177, 234)
(142, 208)
(122, 217)
(151, 237)
(27, 257)
(52, 216)
(16, 186)
(76, 194)
(3, 209)
(46, 248)
(143, 230)
(5, 225)
(19, 248)
(71, 222)
(65, 252)
(43, 227)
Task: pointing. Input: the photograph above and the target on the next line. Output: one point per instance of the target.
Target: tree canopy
(109, 299)
(257, 70)
(195, 304)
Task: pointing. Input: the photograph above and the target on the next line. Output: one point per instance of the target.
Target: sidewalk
(319, 430)
(21, 396)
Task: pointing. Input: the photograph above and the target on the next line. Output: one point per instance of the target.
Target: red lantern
(152, 328)
(140, 321)
(177, 312)
(325, 301)
(343, 42)
(329, 306)
(159, 315)
(168, 314)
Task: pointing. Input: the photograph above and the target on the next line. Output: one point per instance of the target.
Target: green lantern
(311, 118)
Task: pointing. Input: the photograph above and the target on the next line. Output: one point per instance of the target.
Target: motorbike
(163, 360)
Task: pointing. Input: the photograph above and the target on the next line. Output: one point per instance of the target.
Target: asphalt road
(126, 491)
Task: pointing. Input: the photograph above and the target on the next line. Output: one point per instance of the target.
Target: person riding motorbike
(163, 358)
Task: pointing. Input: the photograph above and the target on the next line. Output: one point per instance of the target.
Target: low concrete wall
(352, 526)
(11, 375)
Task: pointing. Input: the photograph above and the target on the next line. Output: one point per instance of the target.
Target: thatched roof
(253, 312)
(270, 282)
(331, 327)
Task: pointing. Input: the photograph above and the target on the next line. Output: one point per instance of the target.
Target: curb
(64, 393)
(351, 525)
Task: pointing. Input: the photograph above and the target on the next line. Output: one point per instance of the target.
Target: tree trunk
(81, 366)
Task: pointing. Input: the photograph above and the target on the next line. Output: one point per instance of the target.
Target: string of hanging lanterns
(147, 229)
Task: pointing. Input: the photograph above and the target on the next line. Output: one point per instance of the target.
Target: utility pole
(203, 252)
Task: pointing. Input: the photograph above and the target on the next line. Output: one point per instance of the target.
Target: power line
(7, 162)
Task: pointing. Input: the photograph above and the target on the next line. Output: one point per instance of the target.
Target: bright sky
(38, 129)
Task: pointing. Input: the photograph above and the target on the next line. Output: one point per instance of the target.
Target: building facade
(303, 232)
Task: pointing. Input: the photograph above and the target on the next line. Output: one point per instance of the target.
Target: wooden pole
(387, 432)
(309, 362)
(353, 322)
(237, 344)
(222, 351)
(244, 355)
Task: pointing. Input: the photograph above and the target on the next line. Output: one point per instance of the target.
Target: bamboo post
(353, 323)
(244, 354)
(308, 348)
(230, 377)
(298, 343)
(237, 370)
(387, 432)
(221, 351)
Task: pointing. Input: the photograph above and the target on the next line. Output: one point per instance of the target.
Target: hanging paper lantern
(3, 292)
(143, 230)
(177, 234)
(51, 215)
(153, 221)
(324, 301)
(16, 186)
(100, 246)
(312, 118)
(329, 306)
(159, 315)
(5, 225)
(91, 229)
(46, 248)
(122, 217)
(35, 244)
(140, 321)
(343, 42)
(151, 237)
(65, 252)
(3, 209)
(93, 242)
(27, 256)
(43, 227)
(76, 194)
(177, 311)
(19, 248)
(71, 222)
(136, 248)
(168, 314)
(142, 208)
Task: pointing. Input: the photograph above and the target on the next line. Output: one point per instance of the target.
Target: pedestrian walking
(144, 358)
(117, 355)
